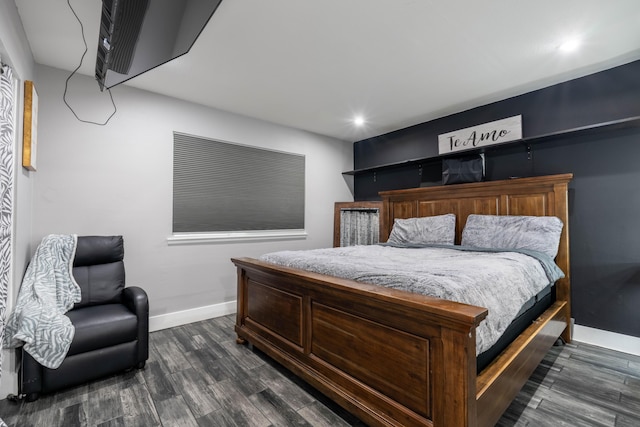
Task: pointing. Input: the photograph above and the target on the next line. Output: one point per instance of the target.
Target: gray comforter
(501, 281)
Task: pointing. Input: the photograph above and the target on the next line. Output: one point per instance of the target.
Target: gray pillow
(539, 233)
(428, 230)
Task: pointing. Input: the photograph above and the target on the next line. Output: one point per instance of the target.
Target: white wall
(15, 51)
(117, 179)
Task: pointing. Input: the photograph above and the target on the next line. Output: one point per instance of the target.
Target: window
(230, 190)
(359, 226)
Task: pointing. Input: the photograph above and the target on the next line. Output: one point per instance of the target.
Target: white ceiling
(314, 64)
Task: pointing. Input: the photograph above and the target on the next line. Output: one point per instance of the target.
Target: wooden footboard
(390, 357)
(399, 359)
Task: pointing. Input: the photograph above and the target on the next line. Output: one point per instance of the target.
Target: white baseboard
(606, 339)
(178, 318)
(585, 334)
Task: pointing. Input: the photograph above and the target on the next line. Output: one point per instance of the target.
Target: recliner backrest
(98, 268)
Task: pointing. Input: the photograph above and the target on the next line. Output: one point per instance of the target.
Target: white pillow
(428, 230)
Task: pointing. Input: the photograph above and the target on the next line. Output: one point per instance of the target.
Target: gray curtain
(7, 142)
(359, 226)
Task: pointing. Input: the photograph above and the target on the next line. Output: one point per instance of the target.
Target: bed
(420, 367)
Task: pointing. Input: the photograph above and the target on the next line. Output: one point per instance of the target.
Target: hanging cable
(66, 84)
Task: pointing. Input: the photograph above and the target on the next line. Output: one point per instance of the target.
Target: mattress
(530, 311)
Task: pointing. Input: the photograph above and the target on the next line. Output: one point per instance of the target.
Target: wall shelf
(589, 129)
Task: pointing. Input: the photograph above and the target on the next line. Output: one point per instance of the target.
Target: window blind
(221, 186)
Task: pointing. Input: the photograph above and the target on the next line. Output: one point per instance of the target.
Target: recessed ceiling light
(358, 120)
(569, 45)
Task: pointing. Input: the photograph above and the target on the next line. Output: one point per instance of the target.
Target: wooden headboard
(537, 196)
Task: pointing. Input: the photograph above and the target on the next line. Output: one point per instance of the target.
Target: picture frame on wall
(30, 128)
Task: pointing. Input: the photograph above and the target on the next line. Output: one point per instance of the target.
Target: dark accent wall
(604, 198)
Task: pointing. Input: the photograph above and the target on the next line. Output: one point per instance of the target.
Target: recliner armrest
(136, 300)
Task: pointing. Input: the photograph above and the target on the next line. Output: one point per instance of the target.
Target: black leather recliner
(111, 322)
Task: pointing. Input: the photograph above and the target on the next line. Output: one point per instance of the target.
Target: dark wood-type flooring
(198, 376)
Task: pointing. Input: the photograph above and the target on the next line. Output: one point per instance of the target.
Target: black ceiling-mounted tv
(138, 35)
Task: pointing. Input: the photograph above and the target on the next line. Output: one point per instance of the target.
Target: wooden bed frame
(394, 358)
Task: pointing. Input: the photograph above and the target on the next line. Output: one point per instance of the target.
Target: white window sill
(235, 236)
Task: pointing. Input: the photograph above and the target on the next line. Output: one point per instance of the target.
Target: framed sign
(30, 129)
(492, 133)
